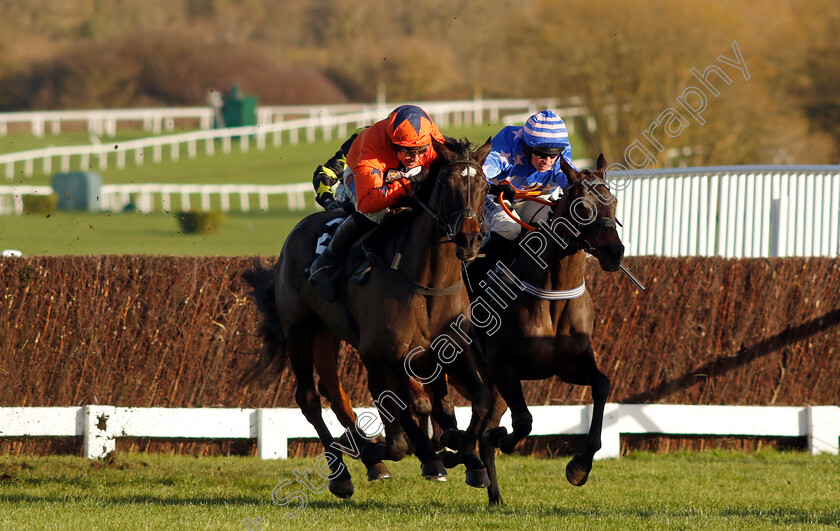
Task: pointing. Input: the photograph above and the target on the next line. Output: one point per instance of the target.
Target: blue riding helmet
(546, 132)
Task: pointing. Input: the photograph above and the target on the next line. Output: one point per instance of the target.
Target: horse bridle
(442, 219)
(576, 242)
(602, 223)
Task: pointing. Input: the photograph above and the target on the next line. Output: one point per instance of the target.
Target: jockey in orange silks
(382, 164)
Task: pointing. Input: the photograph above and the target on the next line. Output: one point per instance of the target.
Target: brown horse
(540, 337)
(397, 310)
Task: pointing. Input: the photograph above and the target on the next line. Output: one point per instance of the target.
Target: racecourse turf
(711, 490)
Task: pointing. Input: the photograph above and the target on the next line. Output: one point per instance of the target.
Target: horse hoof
(378, 471)
(450, 459)
(494, 436)
(433, 470)
(451, 439)
(478, 478)
(577, 471)
(341, 488)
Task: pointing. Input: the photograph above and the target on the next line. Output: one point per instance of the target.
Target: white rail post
(101, 427)
(272, 442)
(823, 429)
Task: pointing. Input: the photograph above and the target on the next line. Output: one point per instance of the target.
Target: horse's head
(588, 206)
(457, 192)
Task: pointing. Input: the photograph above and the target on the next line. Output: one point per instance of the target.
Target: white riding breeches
(496, 220)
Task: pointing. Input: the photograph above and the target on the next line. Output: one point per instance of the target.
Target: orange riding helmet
(410, 126)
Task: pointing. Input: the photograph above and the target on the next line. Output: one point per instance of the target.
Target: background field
(715, 490)
(285, 164)
(249, 233)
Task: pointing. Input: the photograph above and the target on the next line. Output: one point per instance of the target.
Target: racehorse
(401, 307)
(548, 320)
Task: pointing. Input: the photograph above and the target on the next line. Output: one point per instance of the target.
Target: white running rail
(730, 211)
(273, 122)
(148, 198)
(734, 212)
(100, 426)
(156, 120)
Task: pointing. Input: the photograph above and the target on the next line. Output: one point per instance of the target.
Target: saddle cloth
(356, 265)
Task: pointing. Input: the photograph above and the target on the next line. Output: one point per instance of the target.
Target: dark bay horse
(399, 309)
(539, 337)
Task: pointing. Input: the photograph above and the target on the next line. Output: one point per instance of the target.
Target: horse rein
(533, 196)
(522, 194)
(582, 244)
(440, 220)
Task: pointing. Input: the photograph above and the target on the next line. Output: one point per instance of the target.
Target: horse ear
(442, 150)
(570, 172)
(482, 152)
(601, 165)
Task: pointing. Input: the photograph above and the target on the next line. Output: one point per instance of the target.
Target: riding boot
(497, 248)
(323, 268)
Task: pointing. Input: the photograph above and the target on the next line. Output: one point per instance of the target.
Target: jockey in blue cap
(526, 157)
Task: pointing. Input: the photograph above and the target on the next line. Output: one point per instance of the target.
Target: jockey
(382, 164)
(528, 158)
(329, 174)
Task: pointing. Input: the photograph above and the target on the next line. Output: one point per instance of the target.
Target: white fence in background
(734, 212)
(116, 197)
(273, 124)
(148, 198)
(156, 120)
(272, 428)
(11, 197)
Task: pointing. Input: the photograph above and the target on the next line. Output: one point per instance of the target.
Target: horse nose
(610, 256)
(468, 244)
(470, 240)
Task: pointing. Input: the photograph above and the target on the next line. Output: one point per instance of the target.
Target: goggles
(544, 155)
(411, 151)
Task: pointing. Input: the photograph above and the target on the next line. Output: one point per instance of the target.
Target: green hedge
(200, 222)
(39, 204)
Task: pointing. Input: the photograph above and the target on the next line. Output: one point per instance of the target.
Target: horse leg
(326, 354)
(431, 465)
(399, 420)
(510, 388)
(584, 371)
(421, 400)
(300, 349)
(463, 370)
(443, 413)
(390, 407)
(488, 451)
(326, 366)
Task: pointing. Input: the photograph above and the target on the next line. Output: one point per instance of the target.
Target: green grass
(65, 233)
(253, 233)
(716, 490)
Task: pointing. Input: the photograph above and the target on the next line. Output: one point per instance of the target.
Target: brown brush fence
(180, 332)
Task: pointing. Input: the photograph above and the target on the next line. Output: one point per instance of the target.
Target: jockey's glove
(502, 188)
(416, 174)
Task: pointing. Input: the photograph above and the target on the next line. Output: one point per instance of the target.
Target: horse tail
(274, 353)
